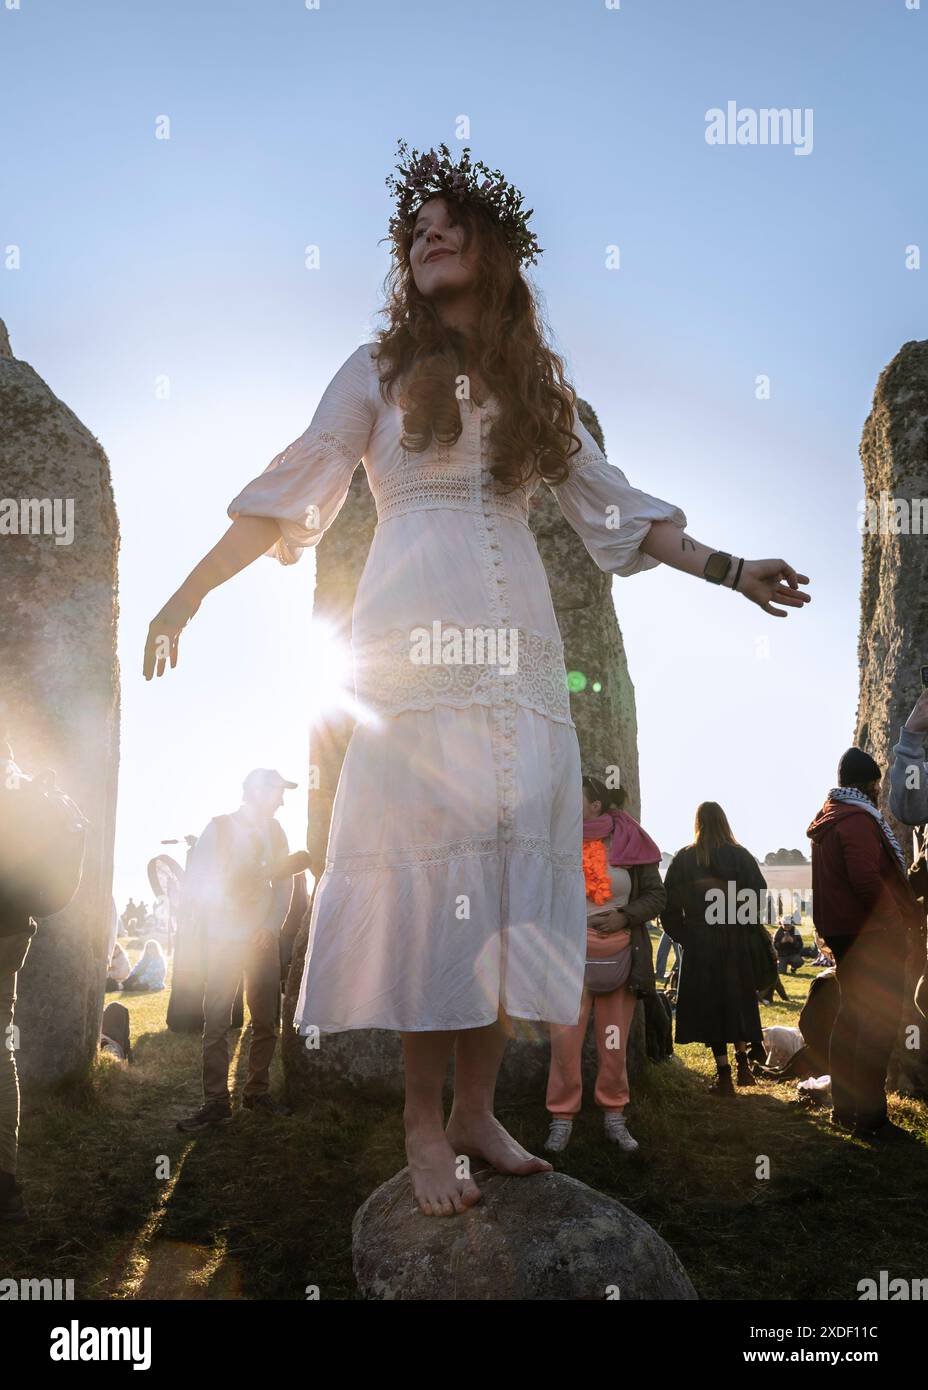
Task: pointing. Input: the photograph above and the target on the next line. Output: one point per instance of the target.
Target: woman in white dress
(460, 900)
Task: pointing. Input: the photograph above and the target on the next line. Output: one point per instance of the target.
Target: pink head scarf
(630, 844)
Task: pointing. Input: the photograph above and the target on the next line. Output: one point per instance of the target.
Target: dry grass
(128, 1207)
(833, 1210)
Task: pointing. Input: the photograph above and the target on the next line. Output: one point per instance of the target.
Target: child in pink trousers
(624, 890)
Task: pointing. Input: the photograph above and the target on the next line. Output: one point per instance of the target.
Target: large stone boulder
(606, 729)
(59, 693)
(893, 642)
(523, 1075)
(544, 1237)
(371, 1059)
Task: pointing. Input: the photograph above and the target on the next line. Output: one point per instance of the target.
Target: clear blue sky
(183, 258)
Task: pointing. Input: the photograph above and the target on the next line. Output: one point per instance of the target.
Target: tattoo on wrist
(685, 541)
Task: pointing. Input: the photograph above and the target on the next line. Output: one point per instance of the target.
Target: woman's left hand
(765, 582)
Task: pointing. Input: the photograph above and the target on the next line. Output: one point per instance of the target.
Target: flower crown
(435, 174)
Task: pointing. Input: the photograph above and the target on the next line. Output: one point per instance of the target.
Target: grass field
(128, 1207)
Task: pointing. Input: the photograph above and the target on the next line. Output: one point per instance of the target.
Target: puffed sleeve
(304, 487)
(610, 516)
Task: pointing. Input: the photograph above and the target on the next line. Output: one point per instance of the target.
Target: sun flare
(331, 679)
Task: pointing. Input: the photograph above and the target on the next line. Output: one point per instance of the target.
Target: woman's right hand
(164, 634)
(607, 923)
(246, 539)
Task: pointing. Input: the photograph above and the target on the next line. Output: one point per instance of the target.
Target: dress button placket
(504, 714)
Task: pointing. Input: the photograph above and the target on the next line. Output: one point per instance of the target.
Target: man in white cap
(238, 889)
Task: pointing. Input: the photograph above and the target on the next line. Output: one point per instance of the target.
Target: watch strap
(714, 563)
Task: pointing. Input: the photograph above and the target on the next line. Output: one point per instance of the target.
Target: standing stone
(893, 642)
(59, 694)
(542, 1238)
(607, 724)
(606, 729)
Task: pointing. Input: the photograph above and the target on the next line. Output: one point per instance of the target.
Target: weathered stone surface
(893, 641)
(523, 1075)
(607, 724)
(371, 1059)
(606, 729)
(543, 1237)
(59, 689)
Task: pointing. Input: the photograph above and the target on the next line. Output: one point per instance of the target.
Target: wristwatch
(717, 567)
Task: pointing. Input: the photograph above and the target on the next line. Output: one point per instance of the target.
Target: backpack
(240, 881)
(114, 1030)
(658, 1025)
(815, 1024)
(764, 961)
(818, 1018)
(42, 839)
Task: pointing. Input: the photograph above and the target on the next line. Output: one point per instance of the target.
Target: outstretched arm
(626, 530)
(908, 776)
(761, 581)
(287, 507)
(245, 540)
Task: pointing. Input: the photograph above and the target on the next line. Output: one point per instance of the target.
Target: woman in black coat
(715, 899)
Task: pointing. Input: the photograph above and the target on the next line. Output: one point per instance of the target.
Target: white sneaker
(617, 1131)
(559, 1135)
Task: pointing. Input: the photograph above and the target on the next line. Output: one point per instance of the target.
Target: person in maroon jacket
(869, 916)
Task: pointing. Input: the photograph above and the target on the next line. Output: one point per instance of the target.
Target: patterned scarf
(854, 797)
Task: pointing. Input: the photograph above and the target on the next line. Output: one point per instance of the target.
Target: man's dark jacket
(858, 883)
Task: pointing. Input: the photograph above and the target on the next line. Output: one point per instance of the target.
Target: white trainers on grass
(617, 1131)
(559, 1135)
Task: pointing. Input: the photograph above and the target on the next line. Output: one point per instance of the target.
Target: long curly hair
(532, 432)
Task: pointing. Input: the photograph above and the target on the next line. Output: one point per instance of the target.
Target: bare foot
(433, 1170)
(479, 1134)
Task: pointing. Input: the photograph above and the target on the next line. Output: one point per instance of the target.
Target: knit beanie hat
(857, 769)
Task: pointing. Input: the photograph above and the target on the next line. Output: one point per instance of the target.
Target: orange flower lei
(596, 872)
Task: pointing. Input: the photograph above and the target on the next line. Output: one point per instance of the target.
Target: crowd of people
(149, 974)
(243, 885)
(868, 920)
(869, 935)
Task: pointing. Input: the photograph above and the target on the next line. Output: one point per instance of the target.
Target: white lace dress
(453, 885)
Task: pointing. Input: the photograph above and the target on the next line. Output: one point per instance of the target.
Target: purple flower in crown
(436, 173)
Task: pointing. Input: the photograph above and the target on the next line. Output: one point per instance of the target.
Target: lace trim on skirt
(388, 681)
(454, 849)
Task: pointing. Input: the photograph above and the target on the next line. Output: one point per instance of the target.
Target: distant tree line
(786, 856)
